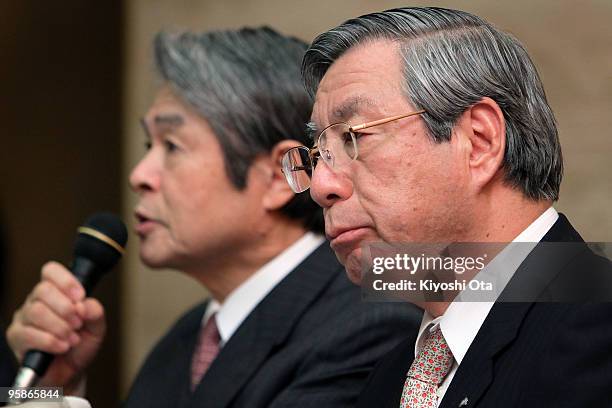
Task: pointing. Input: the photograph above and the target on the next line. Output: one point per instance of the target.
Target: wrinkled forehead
(361, 82)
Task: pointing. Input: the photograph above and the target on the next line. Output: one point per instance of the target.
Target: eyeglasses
(336, 145)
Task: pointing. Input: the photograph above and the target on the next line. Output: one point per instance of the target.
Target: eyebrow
(352, 107)
(349, 108)
(170, 120)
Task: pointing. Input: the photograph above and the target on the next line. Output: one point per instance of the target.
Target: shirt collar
(462, 320)
(242, 300)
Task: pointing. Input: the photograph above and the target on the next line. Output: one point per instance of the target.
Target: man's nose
(145, 176)
(329, 186)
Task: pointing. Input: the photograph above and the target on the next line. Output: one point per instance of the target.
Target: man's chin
(153, 260)
(353, 270)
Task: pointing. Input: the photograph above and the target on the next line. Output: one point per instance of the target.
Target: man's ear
(483, 128)
(278, 193)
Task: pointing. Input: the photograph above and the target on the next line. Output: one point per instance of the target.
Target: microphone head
(101, 239)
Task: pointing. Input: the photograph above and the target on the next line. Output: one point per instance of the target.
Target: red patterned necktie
(427, 372)
(206, 350)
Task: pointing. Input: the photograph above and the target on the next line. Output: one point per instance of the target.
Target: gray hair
(453, 59)
(246, 84)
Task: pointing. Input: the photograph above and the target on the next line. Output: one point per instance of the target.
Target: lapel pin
(464, 402)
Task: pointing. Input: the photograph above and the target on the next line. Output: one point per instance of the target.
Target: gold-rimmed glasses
(336, 145)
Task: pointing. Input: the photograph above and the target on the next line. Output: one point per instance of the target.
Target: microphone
(99, 244)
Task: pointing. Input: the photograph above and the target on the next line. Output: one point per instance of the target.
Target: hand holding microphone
(58, 318)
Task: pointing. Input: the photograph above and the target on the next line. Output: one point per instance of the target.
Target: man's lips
(345, 239)
(144, 223)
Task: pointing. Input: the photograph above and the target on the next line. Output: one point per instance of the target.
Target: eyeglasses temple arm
(313, 152)
(383, 121)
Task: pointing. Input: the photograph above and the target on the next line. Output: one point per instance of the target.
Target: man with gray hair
(284, 327)
(431, 125)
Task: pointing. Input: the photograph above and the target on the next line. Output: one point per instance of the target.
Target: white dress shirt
(462, 320)
(242, 300)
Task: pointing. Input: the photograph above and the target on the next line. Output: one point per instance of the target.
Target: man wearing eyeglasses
(430, 125)
(284, 327)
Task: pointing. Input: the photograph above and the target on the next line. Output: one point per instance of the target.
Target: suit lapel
(475, 373)
(531, 282)
(501, 326)
(185, 349)
(386, 382)
(266, 327)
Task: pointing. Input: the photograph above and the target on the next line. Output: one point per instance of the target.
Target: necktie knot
(434, 361)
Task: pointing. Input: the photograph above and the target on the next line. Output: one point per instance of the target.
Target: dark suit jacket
(311, 342)
(528, 354)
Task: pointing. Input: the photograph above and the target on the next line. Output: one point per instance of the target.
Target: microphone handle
(86, 272)
(38, 361)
